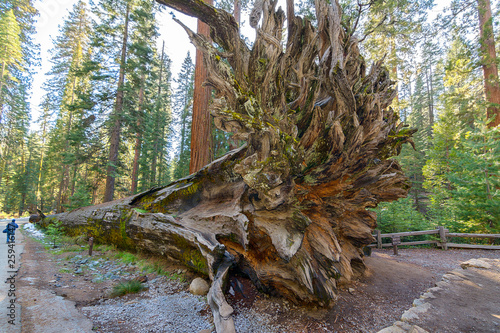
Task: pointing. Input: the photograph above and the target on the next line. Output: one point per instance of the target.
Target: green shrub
(53, 233)
(127, 287)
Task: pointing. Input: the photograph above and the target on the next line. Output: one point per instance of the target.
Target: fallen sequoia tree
(288, 208)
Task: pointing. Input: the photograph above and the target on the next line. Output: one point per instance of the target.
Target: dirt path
(10, 255)
(43, 310)
(467, 299)
(368, 305)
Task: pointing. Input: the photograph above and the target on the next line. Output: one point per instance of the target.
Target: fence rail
(444, 234)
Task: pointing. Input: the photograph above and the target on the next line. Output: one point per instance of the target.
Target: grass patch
(152, 265)
(127, 287)
(104, 247)
(67, 248)
(65, 270)
(126, 258)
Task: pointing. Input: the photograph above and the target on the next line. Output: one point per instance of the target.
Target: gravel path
(368, 305)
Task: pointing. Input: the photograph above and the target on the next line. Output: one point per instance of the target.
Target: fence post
(395, 241)
(91, 245)
(442, 236)
(379, 238)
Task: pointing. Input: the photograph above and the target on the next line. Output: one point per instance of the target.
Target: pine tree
(461, 109)
(141, 52)
(10, 52)
(183, 98)
(117, 115)
(67, 85)
(17, 54)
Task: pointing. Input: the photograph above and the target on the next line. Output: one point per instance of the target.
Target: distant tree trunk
(201, 133)
(237, 11)
(1, 90)
(155, 146)
(40, 169)
(138, 137)
(430, 99)
(114, 142)
(63, 184)
(490, 69)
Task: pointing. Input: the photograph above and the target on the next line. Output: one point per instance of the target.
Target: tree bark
(490, 69)
(290, 207)
(114, 141)
(201, 134)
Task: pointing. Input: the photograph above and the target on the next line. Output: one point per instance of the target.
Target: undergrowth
(127, 287)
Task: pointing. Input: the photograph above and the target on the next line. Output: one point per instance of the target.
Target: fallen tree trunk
(289, 208)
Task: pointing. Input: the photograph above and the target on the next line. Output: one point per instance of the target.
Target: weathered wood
(396, 240)
(473, 246)
(91, 245)
(442, 237)
(379, 239)
(406, 243)
(454, 234)
(289, 208)
(412, 233)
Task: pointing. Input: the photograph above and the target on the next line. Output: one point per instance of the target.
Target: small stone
(79, 271)
(205, 331)
(392, 329)
(417, 329)
(418, 302)
(199, 287)
(351, 290)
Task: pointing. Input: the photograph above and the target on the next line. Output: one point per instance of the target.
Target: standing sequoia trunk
(288, 208)
(201, 133)
(490, 69)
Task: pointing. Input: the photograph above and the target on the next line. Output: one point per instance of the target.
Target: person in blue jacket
(10, 230)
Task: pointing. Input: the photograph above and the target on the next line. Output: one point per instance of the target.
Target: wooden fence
(443, 233)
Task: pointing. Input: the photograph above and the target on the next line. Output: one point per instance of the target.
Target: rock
(392, 329)
(142, 279)
(401, 327)
(351, 290)
(79, 271)
(477, 263)
(417, 329)
(414, 312)
(427, 295)
(418, 302)
(199, 287)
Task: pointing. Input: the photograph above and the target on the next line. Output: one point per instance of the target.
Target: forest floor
(77, 288)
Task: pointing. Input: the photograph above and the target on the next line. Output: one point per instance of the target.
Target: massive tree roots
(289, 208)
